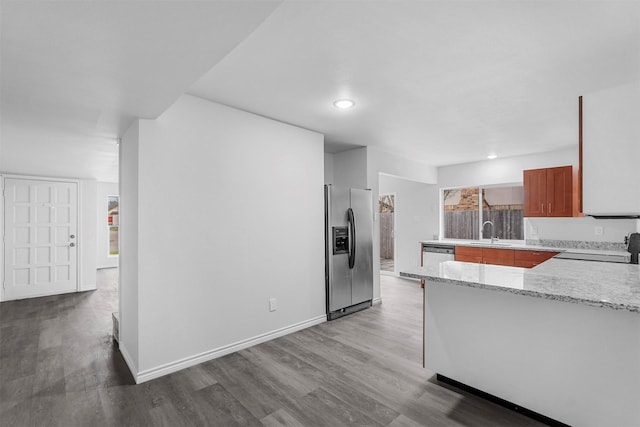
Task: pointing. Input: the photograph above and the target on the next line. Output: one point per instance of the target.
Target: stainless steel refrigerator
(348, 217)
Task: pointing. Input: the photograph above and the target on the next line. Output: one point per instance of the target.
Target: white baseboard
(376, 301)
(128, 360)
(178, 365)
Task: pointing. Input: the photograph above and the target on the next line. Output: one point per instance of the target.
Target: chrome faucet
(485, 223)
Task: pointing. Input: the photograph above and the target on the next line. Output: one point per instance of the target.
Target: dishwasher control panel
(439, 249)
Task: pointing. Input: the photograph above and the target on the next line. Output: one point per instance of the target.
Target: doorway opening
(113, 224)
(386, 209)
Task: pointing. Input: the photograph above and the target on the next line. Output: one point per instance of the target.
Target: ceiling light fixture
(492, 156)
(344, 104)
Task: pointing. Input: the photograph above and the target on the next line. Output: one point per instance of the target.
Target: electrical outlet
(273, 304)
(598, 230)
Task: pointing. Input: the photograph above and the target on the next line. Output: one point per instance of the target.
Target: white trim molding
(168, 368)
(133, 368)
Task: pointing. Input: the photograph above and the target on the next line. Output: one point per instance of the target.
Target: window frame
(480, 213)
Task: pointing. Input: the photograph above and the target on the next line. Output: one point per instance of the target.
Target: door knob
(72, 244)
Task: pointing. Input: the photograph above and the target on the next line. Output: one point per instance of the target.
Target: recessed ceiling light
(344, 104)
(492, 156)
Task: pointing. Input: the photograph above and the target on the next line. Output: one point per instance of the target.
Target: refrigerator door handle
(352, 241)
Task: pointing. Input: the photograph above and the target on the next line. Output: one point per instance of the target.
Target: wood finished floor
(58, 366)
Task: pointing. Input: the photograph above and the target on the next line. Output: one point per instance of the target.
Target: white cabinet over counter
(611, 151)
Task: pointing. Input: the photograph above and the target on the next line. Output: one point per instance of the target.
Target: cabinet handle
(542, 207)
(549, 207)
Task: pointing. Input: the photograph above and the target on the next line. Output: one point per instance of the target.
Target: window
(503, 206)
(113, 223)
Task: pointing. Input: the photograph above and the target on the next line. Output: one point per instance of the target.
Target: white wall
(328, 168)
(381, 162)
(416, 212)
(104, 260)
(390, 164)
(350, 168)
(87, 241)
(129, 280)
(29, 151)
(230, 214)
(509, 170)
(502, 171)
(580, 229)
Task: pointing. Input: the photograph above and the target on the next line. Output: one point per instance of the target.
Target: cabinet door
(529, 259)
(611, 149)
(535, 192)
(467, 254)
(559, 191)
(498, 256)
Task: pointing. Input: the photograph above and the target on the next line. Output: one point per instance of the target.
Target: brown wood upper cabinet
(548, 192)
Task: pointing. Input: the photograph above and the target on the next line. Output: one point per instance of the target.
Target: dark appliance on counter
(348, 221)
(633, 242)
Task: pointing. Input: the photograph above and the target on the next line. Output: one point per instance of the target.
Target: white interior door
(40, 238)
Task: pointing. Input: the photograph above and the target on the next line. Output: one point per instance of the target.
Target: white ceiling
(74, 74)
(440, 81)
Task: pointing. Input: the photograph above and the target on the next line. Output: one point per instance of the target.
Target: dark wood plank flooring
(59, 367)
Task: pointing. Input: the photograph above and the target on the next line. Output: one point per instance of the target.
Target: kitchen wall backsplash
(578, 244)
(584, 232)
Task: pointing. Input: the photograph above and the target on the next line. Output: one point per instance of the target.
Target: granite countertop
(600, 284)
(488, 244)
(524, 247)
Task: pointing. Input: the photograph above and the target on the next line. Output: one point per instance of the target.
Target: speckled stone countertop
(577, 247)
(487, 244)
(600, 284)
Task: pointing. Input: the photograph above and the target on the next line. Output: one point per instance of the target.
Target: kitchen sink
(490, 244)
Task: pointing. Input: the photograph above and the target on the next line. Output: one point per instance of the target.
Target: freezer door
(362, 273)
(338, 274)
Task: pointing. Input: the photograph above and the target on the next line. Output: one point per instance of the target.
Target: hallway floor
(387, 264)
(58, 366)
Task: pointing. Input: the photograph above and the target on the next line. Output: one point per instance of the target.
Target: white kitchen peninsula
(561, 339)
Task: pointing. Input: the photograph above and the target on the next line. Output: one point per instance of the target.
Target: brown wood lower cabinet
(530, 259)
(468, 254)
(498, 256)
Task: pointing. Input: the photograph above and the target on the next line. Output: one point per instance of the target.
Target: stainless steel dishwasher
(435, 253)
